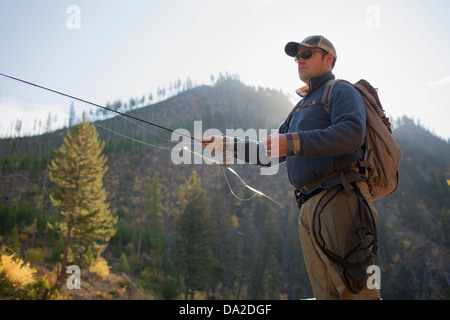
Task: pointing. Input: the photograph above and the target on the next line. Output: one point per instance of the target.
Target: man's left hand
(276, 145)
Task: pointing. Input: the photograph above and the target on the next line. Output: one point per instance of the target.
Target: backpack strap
(324, 101)
(299, 106)
(327, 92)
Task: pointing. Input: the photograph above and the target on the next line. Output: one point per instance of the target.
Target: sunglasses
(307, 54)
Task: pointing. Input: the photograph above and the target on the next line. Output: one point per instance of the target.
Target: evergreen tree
(13, 241)
(195, 231)
(124, 265)
(147, 203)
(79, 196)
(72, 116)
(138, 202)
(156, 220)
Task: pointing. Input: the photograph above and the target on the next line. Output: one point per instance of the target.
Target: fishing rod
(95, 104)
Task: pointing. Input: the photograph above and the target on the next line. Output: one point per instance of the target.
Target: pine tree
(13, 241)
(72, 115)
(79, 196)
(155, 207)
(147, 202)
(196, 236)
(124, 265)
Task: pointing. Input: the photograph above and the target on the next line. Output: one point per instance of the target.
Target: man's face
(315, 65)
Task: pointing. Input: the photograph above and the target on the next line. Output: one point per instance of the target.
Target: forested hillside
(194, 230)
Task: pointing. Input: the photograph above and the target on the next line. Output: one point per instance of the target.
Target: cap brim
(292, 47)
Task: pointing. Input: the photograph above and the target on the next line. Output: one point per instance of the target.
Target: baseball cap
(316, 41)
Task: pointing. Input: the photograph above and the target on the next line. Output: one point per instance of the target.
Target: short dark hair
(324, 53)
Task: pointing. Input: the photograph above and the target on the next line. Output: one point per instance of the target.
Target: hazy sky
(104, 50)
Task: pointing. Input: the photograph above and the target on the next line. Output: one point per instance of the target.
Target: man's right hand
(221, 144)
(214, 143)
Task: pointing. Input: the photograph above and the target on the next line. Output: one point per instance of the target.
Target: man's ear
(329, 58)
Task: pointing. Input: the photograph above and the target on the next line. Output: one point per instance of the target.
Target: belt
(301, 197)
(353, 166)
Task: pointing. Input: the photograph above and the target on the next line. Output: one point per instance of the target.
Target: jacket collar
(315, 83)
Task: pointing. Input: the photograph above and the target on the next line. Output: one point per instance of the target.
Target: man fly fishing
(320, 145)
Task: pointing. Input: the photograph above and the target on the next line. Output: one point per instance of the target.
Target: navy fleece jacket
(321, 141)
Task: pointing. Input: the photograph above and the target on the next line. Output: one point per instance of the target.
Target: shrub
(100, 267)
(34, 255)
(15, 271)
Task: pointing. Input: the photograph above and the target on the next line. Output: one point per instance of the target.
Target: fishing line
(144, 128)
(231, 189)
(255, 191)
(131, 138)
(130, 118)
(141, 127)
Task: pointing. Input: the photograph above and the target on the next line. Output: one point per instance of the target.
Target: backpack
(381, 155)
